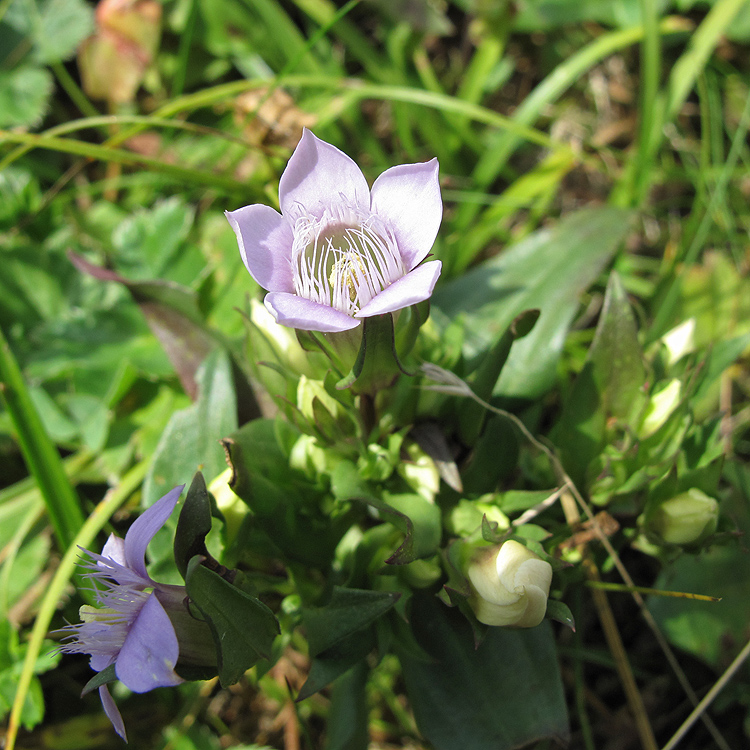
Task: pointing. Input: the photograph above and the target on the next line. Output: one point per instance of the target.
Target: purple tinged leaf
(268, 237)
(415, 287)
(318, 173)
(408, 198)
(113, 713)
(149, 654)
(144, 529)
(298, 312)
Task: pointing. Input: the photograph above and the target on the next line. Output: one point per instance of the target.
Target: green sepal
(243, 628)
(409, 322)
(100, 678)
(560, 612)
(377, 364)
(193, 525)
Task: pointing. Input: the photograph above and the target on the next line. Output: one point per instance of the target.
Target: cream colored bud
(660, 408)
(686, 519)
(510, 585)
(282, 339)
(679, 341)
(308, 391)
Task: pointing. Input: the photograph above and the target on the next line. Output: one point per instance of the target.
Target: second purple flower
(340, 252)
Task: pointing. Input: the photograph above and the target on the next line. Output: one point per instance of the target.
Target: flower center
(344, 258)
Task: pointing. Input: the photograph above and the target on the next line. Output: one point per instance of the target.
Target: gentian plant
(365, 514)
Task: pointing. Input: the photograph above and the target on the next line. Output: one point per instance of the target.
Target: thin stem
(709, 697)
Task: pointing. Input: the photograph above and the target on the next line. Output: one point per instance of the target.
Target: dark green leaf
(347, 727)
(242, 626)
(348, 611)
(610, 384)
(194, 524)
(504, 694)
(100, 678)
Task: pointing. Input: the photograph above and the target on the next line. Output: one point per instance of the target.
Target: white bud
(510, 585)
(679, 341)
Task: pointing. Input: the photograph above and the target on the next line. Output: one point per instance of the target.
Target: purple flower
(134, 627)
(340, 252)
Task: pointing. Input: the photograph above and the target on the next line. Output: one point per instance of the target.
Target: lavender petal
(113, 713)
(408, 198)
(149, 654)
(145, 527)
(317, 175)
(298, 312)
(415, 287)
(265, 239)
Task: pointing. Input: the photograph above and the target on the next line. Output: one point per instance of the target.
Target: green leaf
(504, 694)
(59, 28)
(242, 626)
(347, 727)
(191, 440)
(192, 436)
(151, 242)
(348, 611)
(193, 525)
(172, 313)
(610, 384)
(284, 504)
(340, 634)
(548, 270)
(24, 93)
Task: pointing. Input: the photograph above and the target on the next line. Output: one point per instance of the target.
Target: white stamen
(344, 258)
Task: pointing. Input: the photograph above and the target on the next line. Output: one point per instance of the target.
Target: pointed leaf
(349, 611)
(610, 384)
(99, 679)
(242, 626)
(347, 727)
(194, 524)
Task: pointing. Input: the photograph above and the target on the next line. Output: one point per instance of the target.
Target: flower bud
(282, 341)
(113, 62)
(679, 341)
(510, 585)
(420, 472)
(660, 408)
(311, 391)
(688, 518)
